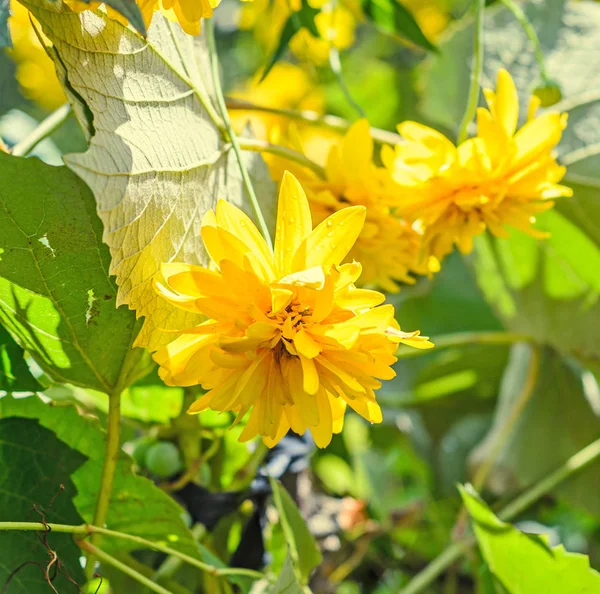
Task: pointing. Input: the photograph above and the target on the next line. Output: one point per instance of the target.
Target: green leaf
(5, 40)
(304, 18)
(136, 506)
(303, 546)
(391, 17)
(130, 10)
(524, 563)
(565, 29)
(56, 298)
(36, 486)
(152, 183)
(287, 583)
(559, 412)
(14, 372)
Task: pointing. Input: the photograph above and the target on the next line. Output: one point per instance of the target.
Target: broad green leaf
(156, 161)
(567, 31)
(5, 40)
(14, 372)
(391, 17)
(561, 411)
(524, 563)
(287, 582)
(35, 487)
(303, 546)
(137, 506)
(56, 298)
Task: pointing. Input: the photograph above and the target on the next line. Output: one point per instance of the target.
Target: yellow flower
(431, 15)
(35, 70)
(502, 176)
(288, 339)
(388, 248)
(336, 25)
(287, 86)
(185, 12)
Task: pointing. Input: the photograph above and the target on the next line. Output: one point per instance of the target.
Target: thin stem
(531, 34)
(475, 84)
(84, 530)
(111, 457)
(336, 67)
(312, 117)
(126, 569)
(214, 67)
(573, 465)
(44, 129)
(465, 339)
(263, 146)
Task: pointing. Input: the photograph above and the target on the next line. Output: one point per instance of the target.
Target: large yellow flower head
(502, 176)
(288, 339)
(187, 13)
(389, 248)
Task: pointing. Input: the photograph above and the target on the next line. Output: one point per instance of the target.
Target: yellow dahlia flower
(502, 176)
(185, 12)
(288, 339)
(35, 70)
(389, 249)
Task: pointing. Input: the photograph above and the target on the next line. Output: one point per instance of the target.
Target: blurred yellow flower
(289, 338)
(336, 25)
(35, 70)
(185, 12)
(431, 15)
(389, 249)
(287, 86)
(502, 176)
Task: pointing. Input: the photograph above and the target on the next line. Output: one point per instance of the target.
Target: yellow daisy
(288, 339)
(502, 176)
(389, 249)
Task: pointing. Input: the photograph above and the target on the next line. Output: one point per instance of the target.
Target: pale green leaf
(157, 161)
(524, 563)
(561, 411)
(286, 583)
(303, 546)
(56, 297)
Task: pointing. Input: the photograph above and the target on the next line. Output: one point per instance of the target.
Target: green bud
(163, 459)
(140, 448)
(548, 92)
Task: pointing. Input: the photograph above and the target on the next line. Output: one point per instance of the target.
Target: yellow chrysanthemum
(35, 70)
(187, 13)
(389, 249)
(289, 338)
(500, 177)
(336, 25)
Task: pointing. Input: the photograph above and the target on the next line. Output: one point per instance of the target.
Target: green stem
(263, 146)
(45, 128)
(335, 64)
(110, 560)
(246, 474)
(475, 84)
(531, 34)
(574, 464)
(209, 29)
(312, 117)
(84, 530)
(465, 339)
(111, 457)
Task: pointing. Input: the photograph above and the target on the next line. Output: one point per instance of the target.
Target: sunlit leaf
(156, 161)
(526, 563)
(14, 372)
